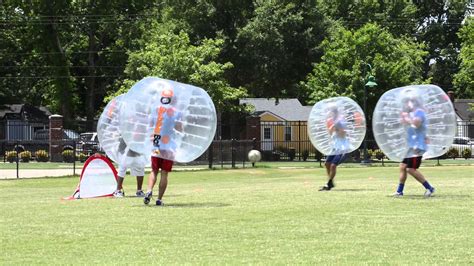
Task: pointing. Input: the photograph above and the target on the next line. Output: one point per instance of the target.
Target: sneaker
(140, 193)
(325, 188)
(398, 194)
(119, 193)
(160, 202)
(429, 192)
(147, 197)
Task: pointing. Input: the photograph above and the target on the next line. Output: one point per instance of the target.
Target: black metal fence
(279, 141)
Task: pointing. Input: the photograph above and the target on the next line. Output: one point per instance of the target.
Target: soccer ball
(254, 156)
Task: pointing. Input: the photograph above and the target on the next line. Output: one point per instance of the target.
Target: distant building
(21, 121)
(465, 117)
(282, 122)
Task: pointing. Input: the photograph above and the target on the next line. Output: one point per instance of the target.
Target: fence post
(299, 140)
(232, 148)
(210, 154)
(17, 160)
(74, 156)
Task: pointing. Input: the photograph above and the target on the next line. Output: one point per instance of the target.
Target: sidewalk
(33, 173)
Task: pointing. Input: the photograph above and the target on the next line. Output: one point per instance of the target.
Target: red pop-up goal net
(98, 179)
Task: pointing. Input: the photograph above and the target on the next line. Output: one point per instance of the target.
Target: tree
(343, 68)
(172, 56)
(438, 24)
(278, 46)
(464, 79)
(398, 17)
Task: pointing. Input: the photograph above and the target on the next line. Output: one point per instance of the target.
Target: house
(465, 117)
(21, 121)
(282, 123)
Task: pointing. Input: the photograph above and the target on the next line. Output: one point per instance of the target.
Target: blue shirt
(417, 135)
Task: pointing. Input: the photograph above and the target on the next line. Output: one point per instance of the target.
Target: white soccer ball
(254, 156)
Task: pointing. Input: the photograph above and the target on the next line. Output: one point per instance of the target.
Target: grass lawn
(263, 215)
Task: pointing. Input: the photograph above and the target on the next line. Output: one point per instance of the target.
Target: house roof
(287, 109)
(23, 112)
(463, 108)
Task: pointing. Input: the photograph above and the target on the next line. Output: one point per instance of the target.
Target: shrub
(82, 157)
(318, 156)
(453, 153)
(291, 153)
(467, 153)
(305, 155)
(379, 154)
(11, 156)
(25, 156)
(68, 156)
(370, 154)
(41, 156)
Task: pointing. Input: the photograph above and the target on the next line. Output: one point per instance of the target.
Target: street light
(371, 84)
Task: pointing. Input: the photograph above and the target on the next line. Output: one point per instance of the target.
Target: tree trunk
(91, 81)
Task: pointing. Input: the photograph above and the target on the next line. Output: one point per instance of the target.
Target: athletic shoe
(140, 193)
(119, 193)
(429, 192)
(325, 188)
(147, 197)
(160, 202)
(398, 194)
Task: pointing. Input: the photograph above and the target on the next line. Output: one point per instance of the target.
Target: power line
(78, 52)
(62, 66)
(57, 77)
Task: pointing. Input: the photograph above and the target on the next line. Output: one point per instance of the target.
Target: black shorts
(413, 162)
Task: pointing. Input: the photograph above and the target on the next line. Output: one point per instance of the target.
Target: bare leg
(163, 184)
(139, 182)
(332, 171)
(151, 181)
(120, 183)
(328, 167)
(417, 175)
(403, 173)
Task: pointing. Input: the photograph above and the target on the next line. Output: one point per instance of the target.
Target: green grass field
(263, 215)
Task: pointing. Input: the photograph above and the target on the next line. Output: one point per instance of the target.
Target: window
(287, 133)
(267, 133)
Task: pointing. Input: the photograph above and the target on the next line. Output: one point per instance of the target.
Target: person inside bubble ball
(167, 124)
(414, 119)
(138, 170)
(336, 126)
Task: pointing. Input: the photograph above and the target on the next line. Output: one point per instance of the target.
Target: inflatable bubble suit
(413, 121)
(111, 139)
(171, 120)
(336, 126)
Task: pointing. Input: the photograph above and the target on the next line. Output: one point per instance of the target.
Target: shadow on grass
(437, 196)
(187, 205)
(352, 190)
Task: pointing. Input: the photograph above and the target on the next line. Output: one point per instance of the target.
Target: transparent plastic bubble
(414, 120)
(168, 119)
(111, 140)
(336, 126)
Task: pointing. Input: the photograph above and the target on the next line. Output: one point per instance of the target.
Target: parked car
(43, 134)
(462, 143)
(88, 143)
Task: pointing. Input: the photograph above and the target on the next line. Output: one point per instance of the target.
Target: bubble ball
(168, 119)
(336, 126)
(254, 156)
(111, 139)
(416, 120)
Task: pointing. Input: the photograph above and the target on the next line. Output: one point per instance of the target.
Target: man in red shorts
(167, 122)
(165, 166)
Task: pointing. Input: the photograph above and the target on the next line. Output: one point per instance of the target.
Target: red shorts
(157, 163)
